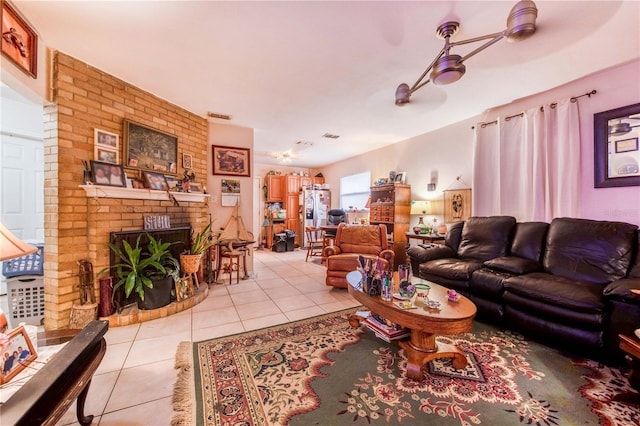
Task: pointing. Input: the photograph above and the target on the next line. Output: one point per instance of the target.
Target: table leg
(422, 348)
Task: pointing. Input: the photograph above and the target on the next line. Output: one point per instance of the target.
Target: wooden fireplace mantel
(103, 191)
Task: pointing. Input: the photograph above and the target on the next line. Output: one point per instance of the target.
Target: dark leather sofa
(566, 283)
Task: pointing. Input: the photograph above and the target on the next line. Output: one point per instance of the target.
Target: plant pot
(159, 295)
(190, 263)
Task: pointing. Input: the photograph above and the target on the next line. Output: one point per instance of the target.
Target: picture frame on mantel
(19, 42)
(230, 161)
(150, 149)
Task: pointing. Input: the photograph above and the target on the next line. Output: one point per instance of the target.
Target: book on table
(384, 329)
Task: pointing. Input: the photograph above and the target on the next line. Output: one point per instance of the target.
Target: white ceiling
(294, 71)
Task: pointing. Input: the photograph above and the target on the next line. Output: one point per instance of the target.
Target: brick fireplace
(77, 224)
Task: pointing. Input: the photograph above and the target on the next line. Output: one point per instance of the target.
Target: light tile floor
(134, 383)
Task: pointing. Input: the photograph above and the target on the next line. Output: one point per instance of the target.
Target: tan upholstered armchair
(352, 241)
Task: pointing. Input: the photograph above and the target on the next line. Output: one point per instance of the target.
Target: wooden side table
(631, 346)
(425, 238)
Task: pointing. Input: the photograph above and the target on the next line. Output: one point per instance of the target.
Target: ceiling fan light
(403, 93)
(447, 69)
(521, 23)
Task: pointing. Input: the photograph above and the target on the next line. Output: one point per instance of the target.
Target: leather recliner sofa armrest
(421, 254)
(621, 290)
(331, 251)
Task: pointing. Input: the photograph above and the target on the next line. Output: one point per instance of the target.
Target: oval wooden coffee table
(425, 324)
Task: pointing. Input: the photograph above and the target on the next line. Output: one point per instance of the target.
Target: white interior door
(22, 186)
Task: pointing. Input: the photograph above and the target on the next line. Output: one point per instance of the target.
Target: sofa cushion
(528, 240)
(485, 238)
(452, 269)
(513, 264)
(570, 295)
(454, 235)
(596, 252)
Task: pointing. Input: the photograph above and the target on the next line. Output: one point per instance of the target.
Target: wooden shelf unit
(391, 206)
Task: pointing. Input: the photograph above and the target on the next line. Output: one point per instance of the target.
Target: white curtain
(528, 166)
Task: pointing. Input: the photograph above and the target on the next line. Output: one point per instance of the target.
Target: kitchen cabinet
(292, 184)
(275, 188)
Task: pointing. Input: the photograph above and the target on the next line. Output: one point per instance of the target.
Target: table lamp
(422, 208)
(11, 247)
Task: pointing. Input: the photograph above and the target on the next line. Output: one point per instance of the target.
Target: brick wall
(76, 226)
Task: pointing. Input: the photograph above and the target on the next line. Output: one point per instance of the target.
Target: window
(354, 191)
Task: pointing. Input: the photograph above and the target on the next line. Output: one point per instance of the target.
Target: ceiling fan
(290, 154)
(622, 127)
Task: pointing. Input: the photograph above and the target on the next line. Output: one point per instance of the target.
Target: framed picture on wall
(626, 145)
(187, 162)
(457, 205)
(107, 174)
(19, 41)
(149, 149)
(231, 161)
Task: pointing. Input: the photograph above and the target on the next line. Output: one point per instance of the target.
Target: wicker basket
(190, 263)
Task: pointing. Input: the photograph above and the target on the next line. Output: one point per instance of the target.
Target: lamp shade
(11, 246)
(420, 207)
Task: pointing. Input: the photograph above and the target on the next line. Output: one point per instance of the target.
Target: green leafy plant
(202, 240)
(135, 272)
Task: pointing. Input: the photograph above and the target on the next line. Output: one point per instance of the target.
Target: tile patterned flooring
(134, 383)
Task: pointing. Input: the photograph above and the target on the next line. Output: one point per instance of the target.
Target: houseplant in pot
(190, 261)
(148, 275)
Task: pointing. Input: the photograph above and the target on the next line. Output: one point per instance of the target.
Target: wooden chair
(315, 242)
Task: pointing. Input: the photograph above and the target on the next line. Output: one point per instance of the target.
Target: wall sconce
(431, 186)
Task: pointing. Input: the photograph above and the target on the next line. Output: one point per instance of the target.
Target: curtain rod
(573, 99)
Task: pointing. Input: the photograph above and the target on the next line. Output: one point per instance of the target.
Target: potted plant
(201, 242)
(149, 274)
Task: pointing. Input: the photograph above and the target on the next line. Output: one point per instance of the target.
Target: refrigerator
(315, 205)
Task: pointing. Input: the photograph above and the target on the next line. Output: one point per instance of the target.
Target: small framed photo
(106, 155)
(627, 145)
(19, 41)
(195, 187)
(106, 146)
(106, 139)
(172, 182)
(186, 161)
(401, 177)
(17, 353)
(184, 288)
(156, 181)
(107, 174)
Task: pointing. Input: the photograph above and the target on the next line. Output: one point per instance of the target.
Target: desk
(434, 238)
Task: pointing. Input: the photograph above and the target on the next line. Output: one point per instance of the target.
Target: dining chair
(315, 242)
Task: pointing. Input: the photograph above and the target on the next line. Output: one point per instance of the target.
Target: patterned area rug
(321, 371)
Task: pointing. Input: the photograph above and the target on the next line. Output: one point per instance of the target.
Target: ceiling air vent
(330, 136)
(220, 116)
